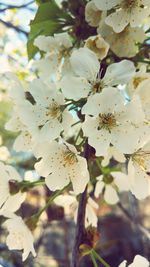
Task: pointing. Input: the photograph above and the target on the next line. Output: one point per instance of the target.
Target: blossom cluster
(76, 103)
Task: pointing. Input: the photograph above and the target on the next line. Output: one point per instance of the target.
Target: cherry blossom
(57, 47)
(70, 204)
(92, 14)
(86, 79)
(138, 172)
(98, 45)
(48, 117)
(9, 203)
(131, 12)
(137, 262)
(19, 237)
(110, 184)
(65, 165)
(110, 121)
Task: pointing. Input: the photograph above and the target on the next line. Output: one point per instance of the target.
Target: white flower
(111, 184)
(98, 45)
(19, 237)
(113, 153)
(58, 43)
(138, 261)
(9, 203)
(4, 182)
(140, 85)
(15, 87)
(56, 48)
(92, 14)
(131, 12)
(105, 4)
(110, 121)
(85, 78)
(4, 153)
(23, 141)
(48, 117)
(137, 80)
(138, 172)
(61, 164)
(70, 204)
(90, 215)
(123, 44)
(12, 204)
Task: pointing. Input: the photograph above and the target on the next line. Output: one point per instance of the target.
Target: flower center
(54, 111)
(141, 158)
(108, 179)
(63, 53)
(98, 86)
(128, 4)
(69, 158)
(106, 121)
(137, 81)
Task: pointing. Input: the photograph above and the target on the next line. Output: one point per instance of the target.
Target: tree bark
(80, 228)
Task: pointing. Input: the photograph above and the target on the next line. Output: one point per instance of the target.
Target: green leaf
(48, 20)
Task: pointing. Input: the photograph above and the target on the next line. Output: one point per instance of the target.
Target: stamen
(69, 158)
(107, 121)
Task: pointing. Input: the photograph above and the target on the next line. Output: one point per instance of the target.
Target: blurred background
(124, 230)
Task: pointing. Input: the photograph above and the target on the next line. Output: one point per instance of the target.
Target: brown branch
(80, 228)
(17, 29)
(17, 7)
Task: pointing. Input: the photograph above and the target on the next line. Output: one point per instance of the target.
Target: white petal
(138, 16)
(99, 188)
(90, 217)
(79, 176)
(74, 87)
(133, 108)
(23, 142)
(119, 73)
(110, 195)
(85, 63)
(121, 180)
(105, 102)
(100, 142)
(118, 20)
(41, 92)
(51, 130)
(57, 180)
(139, 261)
(123, 264)
(106, 4)
(12, 204)
(141, 186)
(45, 43)
(99, 139)
(125, 138)
(13, 174)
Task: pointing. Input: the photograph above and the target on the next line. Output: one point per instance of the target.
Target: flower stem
(98, 257)
(25, 185)
(51, 199)
(93, 260)
(33, 220)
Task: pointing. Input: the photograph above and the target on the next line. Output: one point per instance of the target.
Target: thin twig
(17, 7)
(17, 29)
